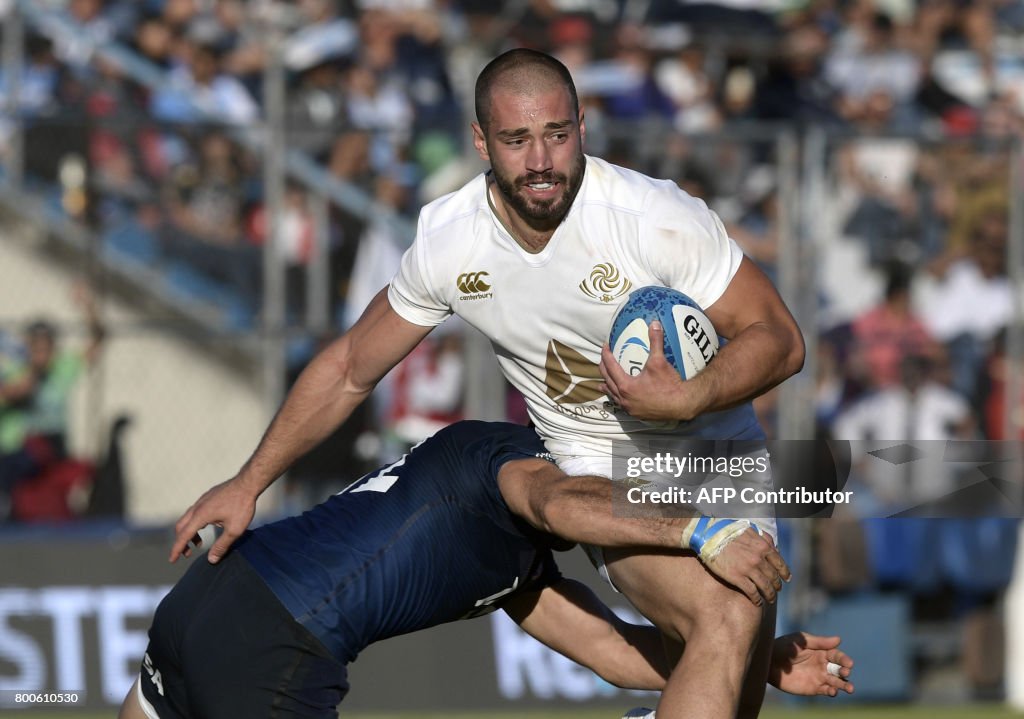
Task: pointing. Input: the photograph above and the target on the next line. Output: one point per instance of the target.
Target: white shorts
(573, 459)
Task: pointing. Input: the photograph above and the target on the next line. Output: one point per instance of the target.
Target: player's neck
(529, 238)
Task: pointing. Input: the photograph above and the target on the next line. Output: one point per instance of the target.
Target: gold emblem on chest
(605, 283)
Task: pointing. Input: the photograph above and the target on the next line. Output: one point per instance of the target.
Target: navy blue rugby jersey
(423, 541)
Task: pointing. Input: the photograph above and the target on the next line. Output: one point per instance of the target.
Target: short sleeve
(545, 574)
(687, 248)
(412, 294)
(518, 443)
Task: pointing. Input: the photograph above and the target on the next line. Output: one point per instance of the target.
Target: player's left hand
(800, 664)
(753, 565)
(658, 393)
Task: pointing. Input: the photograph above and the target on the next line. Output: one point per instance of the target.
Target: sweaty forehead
(517, 91)
(526, 79)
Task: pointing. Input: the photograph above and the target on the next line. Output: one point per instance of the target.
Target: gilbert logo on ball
(690, 338)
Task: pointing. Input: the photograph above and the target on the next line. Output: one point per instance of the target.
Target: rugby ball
(690, 338)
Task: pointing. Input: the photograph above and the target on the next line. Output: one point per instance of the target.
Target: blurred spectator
(737, 94)
(887, 334)
(877, 174)
(919, 408)
(998, 367)
(178, 13)
(640, 96)
(92, 27)
(972, 21)
(833, 390)
(971, 299)
(794, 87)
(349, 161)
(121, 142)
(39, 77)
(241, 32)
(38, 84)
(154, 41)
(427, 390)
(981, 191)
(379, 106)
(34, 396)
(421, 61)
(297, 242)
(684, 80)
(198, 90)
(316, 108)
(204, 198)
(865, 61)
(750, 19)
(374, 260)
(205, 201)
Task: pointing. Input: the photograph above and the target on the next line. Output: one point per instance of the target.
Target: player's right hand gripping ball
(690, 338)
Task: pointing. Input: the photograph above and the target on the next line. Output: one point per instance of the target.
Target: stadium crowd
(377, 94)
(920, 99)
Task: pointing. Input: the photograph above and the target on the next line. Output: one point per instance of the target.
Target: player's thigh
(131, 709)
(675, 592)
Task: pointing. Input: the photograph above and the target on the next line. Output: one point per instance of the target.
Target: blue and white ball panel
(690, 338)
(632, 347)
(696, 336)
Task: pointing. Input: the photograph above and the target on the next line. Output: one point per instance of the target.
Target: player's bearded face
(516, 190)
(535, 148)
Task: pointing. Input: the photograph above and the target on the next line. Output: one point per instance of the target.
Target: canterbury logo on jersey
(569, 377)
(474, 285)
(605, 283)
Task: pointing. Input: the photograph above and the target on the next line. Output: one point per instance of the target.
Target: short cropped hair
(41, 329)
(520, 60)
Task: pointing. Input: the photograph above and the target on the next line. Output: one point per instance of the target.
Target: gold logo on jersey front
(605, 283)
(474, 285)
(569, 377)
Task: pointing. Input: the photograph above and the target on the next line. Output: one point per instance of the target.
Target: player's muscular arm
(323, 397)
(765, 347)
(580, 509)
(570, 619)
(334, 384)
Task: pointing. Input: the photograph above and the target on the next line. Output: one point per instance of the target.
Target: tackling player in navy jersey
(455, 529)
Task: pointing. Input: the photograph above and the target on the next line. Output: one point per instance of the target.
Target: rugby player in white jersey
(537, 254)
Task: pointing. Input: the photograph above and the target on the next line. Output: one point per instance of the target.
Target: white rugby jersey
(548, 314)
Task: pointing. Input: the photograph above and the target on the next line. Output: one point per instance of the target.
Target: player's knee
(728, 616)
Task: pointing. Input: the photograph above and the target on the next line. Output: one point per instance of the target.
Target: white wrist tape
(708, 536)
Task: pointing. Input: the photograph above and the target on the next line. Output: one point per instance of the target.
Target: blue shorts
(222, 645)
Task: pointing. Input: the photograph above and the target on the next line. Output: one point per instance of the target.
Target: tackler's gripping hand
(739, 553)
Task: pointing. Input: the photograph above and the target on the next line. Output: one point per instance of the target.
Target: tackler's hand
(809, 665)
(738, 553)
